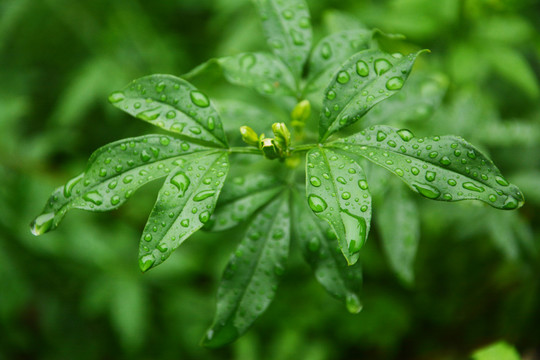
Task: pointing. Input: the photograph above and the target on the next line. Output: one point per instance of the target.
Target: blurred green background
(78, 293)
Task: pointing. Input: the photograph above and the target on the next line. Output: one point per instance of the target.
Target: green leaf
(497, 351)
(366, 79)
(398, 222)
(443, 168)
(184, 204)
(331, 51)
(321, 250)
(112, 175)
(287, 27)
(241, 197)
(263, 72)
(251, 277)
(337, 192)
(173, 104)
(237, 113)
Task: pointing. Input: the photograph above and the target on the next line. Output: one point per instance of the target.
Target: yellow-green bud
(282, 134)
(270, 148)
(301, 111)
(249, 136)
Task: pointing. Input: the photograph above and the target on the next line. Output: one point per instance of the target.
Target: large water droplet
(354, 306)
(362, 68)
(426, 190)
(42, 224)
(94, 197)
(430, 175)
(316, 203)
(382, 66)
(501, 181)
(473, 187)
(363, 184)
(315, 181)
(204, 216)
(181, 181)
(405, 134)
(394, 83)
(146, 262)
(68, 188)
(205, 194)
(381, 135)
(343, 77)
(116, 97)
(247, 61)
(199, 99)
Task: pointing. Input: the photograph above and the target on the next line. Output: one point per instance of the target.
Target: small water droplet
(353, 304)
(363, 184)
(297, 36)
(326, 51)
(445, 161)
(115, 200)
(160, 87)
(315, 181)
(247, 61)
(148, 237)
(381, 135)
(346, 195)
(204, 216)
(184, 222)
(116, 97)
(430, 176)
(331, 95)
(501, 181)
(415, 170)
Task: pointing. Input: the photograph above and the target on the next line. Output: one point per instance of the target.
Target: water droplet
(363, 184)
(316, 203)
(343, 77)
(415, 170)
(181, 181)
(68, 188)
(149, 115)
(426, 190)
(472, 187)
(171, 114)
(314, 244)
(326, 51)
(346, 195)
(195, 130)
(148, 237)
(42, 224)
(146, 262)
(381, 135)
(510, 203)
(287, 14)
(394, 83)
(362, 68)
(331, 95)
(204, 216)
(353, 304)
(127, 179)
(382, 66)
(164, 141)
(452, 182)
(211, 124)
(399, 172)
(298, 38)
(315, 181)
(115, 200)
(199, 99)
(94, 197)
(501, 181)
(205, 194)
(430, 175)
(492, 198)
(184, 222)
(247, 61)
(116, 97)
(433, 154)
(445, 161)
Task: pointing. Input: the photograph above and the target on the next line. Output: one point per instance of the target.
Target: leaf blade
(172, 104)
(184, 204)
(287, 27)
(337, 192)
(364, 80)
(445, 168)
(320, 249)
(112, 175)
(250, 280)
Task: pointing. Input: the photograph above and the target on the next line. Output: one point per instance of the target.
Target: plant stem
(244, 150)
(304, 147)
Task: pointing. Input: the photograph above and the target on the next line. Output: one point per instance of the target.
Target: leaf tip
(218, 336)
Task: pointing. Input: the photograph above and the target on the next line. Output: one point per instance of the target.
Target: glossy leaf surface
(398, 223)
(241, 197)
(251, 277)
(366, 79)
(286, 24)
(337, 192)
(331, 52)
(321, 250)
(443, 168)
(184, 204)
(172, 104)
(112, 175)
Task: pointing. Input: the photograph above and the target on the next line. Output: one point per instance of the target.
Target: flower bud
(282, 135)
(270, 148)
(249, 136)
(301, 111)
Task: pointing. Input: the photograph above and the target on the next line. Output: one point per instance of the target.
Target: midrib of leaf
(256, 263)
(233, 200)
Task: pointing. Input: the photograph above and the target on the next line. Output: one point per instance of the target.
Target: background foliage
(78, 292)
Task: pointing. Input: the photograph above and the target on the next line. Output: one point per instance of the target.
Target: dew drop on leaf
(42, 224)
(354, 306)
(362, 68)
(247, 61)
(315, 181)
(181, 181)
(116, 97)
(427, 190)
(316, 203)
(382, 66)
(394, 83)
(205, 194)
(199, 99)
(93, 197)
(473, 187)
(326, 51)
(343, 77)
